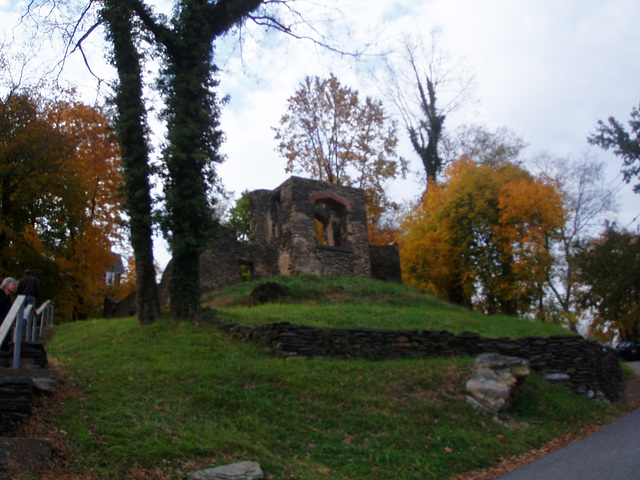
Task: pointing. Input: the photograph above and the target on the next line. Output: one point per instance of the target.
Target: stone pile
(28, 454)
(16, 402)
(494, 380)
(235, 471)
(584, 366)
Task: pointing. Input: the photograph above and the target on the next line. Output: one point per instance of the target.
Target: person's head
(9, 285)
(27, 273)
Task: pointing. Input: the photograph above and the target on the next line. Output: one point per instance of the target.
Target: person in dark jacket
(7, 288)
(29, 286)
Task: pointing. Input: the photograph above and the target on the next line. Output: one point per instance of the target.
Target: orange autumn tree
(59, 198)
(332, 134)
(31, 153)
(481, 238)
(90, 206)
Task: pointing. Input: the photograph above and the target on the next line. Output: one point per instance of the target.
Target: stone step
(31, 355)
(45, 380)
(24, 453)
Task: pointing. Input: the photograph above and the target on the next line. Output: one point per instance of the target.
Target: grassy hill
(160, 401)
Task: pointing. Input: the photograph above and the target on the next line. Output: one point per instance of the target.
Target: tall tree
(329, 133)
(481, 237)
(185, 47)
(609, 269)
(87, 219)
(192, 112)
(426, 84)
(625, 144)
(490, 147)
(131, 130)
(587, 203)
(31, 150)
(61, 175)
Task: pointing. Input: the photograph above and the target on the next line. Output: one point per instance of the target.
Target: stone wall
(385, 262)
(587, 367)
(283, 224)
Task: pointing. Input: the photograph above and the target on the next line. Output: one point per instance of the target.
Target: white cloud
(546, 69)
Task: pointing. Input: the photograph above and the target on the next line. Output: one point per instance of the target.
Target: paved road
(613, 453)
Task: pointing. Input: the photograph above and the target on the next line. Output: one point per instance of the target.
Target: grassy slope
(172, 397)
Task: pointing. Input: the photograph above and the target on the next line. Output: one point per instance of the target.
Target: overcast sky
(546, 69)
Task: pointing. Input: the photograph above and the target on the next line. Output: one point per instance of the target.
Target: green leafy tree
(609, 269)
(625, 144)
(333, 135)
(185, 43)
(240, 217)
(31, 149)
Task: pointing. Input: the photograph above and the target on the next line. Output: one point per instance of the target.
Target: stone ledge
(589, 366)
(27, 453)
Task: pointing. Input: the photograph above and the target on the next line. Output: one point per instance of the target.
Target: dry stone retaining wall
(586, 367)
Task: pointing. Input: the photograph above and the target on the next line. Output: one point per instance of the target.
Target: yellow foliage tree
(60, 196)
(93, 178)
(332, 134)
(481, 237)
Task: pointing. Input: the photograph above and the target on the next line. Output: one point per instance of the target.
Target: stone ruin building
(303, 226)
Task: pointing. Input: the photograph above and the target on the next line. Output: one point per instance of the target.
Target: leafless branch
(296, 18)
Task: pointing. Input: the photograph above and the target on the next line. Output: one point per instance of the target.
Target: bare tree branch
(426, 84)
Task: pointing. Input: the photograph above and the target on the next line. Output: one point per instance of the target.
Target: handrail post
(9, 319)
(17, 338)
(43, 319)
(28, 317)
(44, 315)
(34, 324)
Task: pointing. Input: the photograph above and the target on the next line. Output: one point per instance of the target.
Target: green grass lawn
(173, 397)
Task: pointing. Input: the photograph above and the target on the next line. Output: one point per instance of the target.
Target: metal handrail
(21, 315)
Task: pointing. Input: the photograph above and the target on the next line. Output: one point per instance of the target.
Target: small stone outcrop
(494, 380)
(267, 292)
(16, 402)
(235, 471)
(26, 454)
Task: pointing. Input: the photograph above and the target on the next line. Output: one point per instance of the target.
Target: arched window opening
(329, 223)
(245, 270)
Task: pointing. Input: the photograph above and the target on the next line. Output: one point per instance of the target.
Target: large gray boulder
(494, 380)
(235, 471)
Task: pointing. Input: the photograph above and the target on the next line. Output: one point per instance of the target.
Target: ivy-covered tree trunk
(192, 115)
(130, 128)
(193, 140)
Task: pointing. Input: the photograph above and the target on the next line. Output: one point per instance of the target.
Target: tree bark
(131, 128)
(192, 115)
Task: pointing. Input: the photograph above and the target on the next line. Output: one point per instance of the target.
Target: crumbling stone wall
(284, 238)
(385, 262)
(285, 223)
(587, 367)
(303, 226)
(220, 266)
